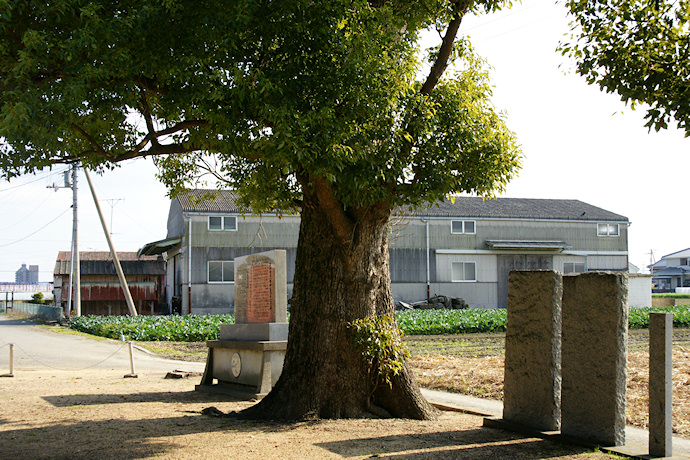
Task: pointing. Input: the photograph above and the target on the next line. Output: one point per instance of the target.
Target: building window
(464, 271)
(462, 226)
(684, 262)
(221, 271)
(228, 223)
(573, 267)
(607, 230)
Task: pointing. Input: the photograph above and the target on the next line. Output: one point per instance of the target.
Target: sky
(578, 143)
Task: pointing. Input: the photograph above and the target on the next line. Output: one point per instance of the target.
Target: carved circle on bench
(236, 365)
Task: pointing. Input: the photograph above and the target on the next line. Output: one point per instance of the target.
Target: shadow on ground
(485, 443)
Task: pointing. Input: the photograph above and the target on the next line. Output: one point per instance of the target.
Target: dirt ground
(100, 414)
(473, 364)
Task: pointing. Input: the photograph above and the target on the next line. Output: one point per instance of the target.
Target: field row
(198, 328)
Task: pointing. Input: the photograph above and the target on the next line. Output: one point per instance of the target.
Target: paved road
(36, 348)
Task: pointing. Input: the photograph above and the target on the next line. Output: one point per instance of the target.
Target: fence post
(660, 384)
(11, 374)
(132, 374)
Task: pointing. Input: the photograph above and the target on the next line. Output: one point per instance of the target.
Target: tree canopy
(305, 88)
(639, 49)
(299, 105)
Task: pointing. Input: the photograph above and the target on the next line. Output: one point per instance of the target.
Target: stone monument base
(254, 331)
(243, 369)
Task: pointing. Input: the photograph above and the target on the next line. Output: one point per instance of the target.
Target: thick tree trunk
(335, 283)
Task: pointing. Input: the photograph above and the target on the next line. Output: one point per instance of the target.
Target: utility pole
(112, 202)
(74, 272)
(75, 244)
(651, 261)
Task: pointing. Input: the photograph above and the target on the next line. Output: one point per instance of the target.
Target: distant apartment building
(26, 275)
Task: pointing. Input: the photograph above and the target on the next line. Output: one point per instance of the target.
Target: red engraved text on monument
(261, 294)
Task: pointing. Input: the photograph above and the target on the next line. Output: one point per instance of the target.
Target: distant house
(671, 271)
(463, 248)
(26, 275)
(101, 293)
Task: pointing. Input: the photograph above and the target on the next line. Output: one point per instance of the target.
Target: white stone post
(132, 374)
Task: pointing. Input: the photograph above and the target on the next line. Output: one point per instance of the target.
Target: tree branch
(441, 63)
(150, 84)
(341, 224)
(159, 149)
(145, 110)
(92, 141)
(460, 8)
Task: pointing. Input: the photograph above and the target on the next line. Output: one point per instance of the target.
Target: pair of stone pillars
(566, 354)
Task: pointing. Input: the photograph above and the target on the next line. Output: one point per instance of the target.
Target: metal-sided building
(100, 289)
(467, 247)
(461, 248)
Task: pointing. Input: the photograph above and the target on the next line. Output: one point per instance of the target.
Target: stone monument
(532, 384)
(566, 356)
(594, 357)
(248, 358)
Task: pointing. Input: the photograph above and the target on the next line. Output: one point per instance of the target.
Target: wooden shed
(101, 293)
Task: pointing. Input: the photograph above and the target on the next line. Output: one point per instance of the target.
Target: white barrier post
(11, 374)
(132, 374)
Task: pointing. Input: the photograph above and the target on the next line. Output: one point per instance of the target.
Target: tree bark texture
(336, 282)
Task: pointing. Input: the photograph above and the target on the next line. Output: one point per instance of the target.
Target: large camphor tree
(300, 106)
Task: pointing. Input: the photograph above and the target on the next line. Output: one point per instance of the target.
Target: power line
(29, 214)
(38, 178)
(31, 234)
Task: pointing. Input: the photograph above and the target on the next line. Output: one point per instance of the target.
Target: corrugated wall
(580, 235)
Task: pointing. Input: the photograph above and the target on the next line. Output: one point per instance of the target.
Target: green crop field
(198, 328)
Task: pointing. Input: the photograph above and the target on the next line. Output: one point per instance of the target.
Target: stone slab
(532, 384)
(254, 331)
(594, 357)
(245, 369)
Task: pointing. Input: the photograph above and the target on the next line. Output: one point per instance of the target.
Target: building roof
(159, 247)
(224, 201)
(201, 200)
(659, 263)
(682, 254)
(102, 255)
(101, 263)
(670, 271)
(519, 208)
